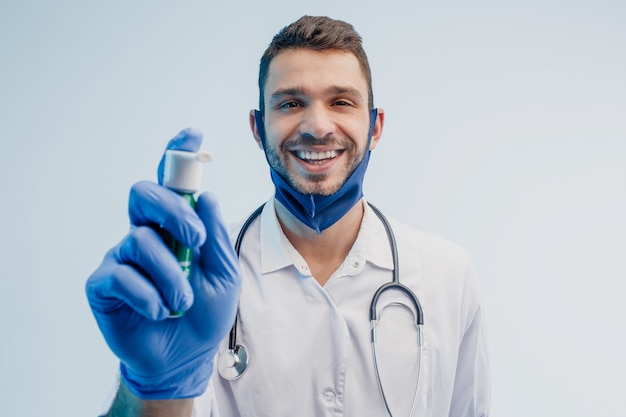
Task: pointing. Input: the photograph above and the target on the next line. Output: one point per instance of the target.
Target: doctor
(309, 266)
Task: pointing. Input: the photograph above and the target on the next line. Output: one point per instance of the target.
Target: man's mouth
(316, 157)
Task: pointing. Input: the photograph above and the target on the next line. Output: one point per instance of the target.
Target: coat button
(329, 395)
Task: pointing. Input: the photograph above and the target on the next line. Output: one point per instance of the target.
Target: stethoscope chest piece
(233, 362)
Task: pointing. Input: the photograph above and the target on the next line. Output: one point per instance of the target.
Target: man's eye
(289, 105)
(341, 103)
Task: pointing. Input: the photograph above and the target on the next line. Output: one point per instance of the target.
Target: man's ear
(255, 130)
(377, 132)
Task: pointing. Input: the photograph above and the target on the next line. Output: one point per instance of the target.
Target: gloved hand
(139, 282)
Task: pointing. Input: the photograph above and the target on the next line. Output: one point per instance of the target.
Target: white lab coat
(309, 346)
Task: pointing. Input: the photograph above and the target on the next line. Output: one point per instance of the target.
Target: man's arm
(127, 404)
(472, 386)
(166, 362)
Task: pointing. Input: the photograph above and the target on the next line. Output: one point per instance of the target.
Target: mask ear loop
(260, 125)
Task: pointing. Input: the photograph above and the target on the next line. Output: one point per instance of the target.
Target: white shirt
(309, 347)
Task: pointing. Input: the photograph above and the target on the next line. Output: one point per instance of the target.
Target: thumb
(188, 140)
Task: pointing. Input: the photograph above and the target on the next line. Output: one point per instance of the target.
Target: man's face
(316, 118)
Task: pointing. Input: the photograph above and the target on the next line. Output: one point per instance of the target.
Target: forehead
(312, 70)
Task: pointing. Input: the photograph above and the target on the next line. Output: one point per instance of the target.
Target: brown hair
(318, 33)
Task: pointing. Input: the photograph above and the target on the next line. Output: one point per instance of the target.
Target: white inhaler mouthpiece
(183, 170)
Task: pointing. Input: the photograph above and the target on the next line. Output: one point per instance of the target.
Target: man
(308, 269)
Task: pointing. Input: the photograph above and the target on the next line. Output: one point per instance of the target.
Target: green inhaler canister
(182, 173)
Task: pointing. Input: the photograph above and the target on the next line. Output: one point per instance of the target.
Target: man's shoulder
(428, 244)
(236, 228)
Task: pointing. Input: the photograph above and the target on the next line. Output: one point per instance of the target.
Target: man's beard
(313, 183)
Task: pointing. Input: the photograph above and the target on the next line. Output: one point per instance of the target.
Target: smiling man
(317, 116)
(317, 268)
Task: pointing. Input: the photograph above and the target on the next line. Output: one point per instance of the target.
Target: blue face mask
(316, 211)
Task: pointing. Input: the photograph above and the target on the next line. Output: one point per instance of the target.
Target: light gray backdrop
(505, 132)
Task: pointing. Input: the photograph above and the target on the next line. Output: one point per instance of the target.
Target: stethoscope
(233, 362)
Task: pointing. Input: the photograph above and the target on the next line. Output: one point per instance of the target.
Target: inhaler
(182, 173)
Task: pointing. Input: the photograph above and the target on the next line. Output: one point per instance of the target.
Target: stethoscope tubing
(232, 337)
(239, 357)
(396, 285)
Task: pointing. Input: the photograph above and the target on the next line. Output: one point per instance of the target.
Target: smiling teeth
(316, 156)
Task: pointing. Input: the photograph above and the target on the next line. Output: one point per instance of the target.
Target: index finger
(188, 140)
(153, 205)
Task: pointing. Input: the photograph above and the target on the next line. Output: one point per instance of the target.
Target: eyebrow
(293, 91)
(299, 91)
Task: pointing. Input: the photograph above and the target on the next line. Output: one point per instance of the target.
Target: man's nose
(316, 122)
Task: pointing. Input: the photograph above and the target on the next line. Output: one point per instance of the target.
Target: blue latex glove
(139, 282)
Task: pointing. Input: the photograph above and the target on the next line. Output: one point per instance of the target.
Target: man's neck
(323, 252)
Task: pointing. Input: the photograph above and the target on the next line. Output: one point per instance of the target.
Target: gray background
(505, 132)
